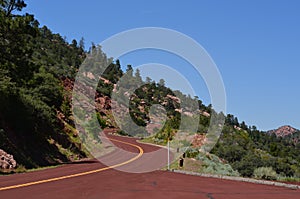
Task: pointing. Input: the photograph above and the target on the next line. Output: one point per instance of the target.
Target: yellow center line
(141, 151)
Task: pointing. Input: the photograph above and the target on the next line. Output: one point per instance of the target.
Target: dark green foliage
(166, 133)
(16, 46)
(46, 88)
(251, 149)
(113, 72)
(104, 89)
(123, 133)
(101, 121)
(57, 56)
(248, 164)
(191, 153)
(32, 59)
(8, 6)
(66, 109)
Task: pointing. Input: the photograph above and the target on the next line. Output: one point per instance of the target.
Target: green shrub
(191, 152)
(211, 164)
(123, 133)
(266, 173)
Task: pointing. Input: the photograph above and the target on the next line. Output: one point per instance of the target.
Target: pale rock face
(206, 114)
(7, 161)
(176, 99)
(199, 140)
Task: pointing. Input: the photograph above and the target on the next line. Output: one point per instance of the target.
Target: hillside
(37, 126)
(34, 107)
(283, 131)
(241, 148)
(287, 133)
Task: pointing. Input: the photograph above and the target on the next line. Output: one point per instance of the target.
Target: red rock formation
(283, 131)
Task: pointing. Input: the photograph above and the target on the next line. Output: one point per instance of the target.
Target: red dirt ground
(116, 184)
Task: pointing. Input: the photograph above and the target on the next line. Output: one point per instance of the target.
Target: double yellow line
(141, 151)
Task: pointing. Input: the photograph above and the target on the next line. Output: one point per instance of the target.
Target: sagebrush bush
(211, 164)
(266, 173)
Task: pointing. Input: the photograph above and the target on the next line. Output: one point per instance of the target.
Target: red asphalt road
(115, 184)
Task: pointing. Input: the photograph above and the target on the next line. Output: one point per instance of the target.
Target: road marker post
(168, 154)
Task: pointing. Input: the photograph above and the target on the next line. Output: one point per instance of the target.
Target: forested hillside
(33, 103)
(250, 152)
(37, 72)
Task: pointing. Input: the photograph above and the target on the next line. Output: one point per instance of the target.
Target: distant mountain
(283, 131)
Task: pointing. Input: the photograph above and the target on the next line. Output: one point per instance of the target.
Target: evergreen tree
(8, 6)
(129, 70)
(138, 76)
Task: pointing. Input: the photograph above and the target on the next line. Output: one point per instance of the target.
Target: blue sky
(255, 45)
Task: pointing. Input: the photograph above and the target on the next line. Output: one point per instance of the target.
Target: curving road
(94, 180)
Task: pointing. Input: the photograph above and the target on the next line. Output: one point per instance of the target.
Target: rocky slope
(283, 131)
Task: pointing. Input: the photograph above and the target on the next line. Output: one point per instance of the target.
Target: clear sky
(255, 44)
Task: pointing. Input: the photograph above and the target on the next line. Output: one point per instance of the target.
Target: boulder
(7, 161)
